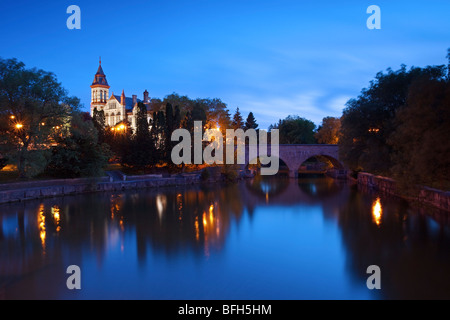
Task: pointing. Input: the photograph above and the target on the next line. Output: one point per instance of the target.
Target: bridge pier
(293, 174)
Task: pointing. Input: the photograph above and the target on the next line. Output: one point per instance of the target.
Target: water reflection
(377, 211)
(56, 217)
(41, 224)
(412, 249)
(223, 240)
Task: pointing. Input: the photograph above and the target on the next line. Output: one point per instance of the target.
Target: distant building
(116, 108)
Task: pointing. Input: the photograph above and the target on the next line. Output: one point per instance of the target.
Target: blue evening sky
(275, 58)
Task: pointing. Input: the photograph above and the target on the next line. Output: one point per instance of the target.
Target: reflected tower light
(377, 211)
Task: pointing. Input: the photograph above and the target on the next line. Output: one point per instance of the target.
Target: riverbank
(429, 196)
(113, 181)
(22, 191)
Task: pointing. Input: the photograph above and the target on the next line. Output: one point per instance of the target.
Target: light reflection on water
(258, 239)
(377, 211)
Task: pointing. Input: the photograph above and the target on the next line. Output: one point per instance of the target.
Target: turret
(122, 98)
(99, 89)
(146, 96)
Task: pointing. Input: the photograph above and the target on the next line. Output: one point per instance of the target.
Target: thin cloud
(312, 105)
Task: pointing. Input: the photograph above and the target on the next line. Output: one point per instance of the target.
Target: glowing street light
(19, 126)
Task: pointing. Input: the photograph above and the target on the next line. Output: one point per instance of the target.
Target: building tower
(99, 90)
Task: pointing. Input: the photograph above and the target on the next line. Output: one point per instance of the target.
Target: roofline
(100, 85)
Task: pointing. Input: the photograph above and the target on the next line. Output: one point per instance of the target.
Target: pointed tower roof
(122, 98)
(100, 77)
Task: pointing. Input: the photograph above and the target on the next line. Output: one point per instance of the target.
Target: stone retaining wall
(434, 197)
(46, 189)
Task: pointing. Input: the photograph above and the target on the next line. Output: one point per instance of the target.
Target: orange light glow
(377, 212)
(197, 231)
(19, 126)
(41, 225)
(57, 217)
(204, 219)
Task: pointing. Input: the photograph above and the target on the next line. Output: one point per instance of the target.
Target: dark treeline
(298, 130)
(400, 127)
(151, 144)
(44, 132)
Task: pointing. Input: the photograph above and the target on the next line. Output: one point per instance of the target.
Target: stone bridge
(293, 155)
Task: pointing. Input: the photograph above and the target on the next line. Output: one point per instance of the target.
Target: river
(271, 238)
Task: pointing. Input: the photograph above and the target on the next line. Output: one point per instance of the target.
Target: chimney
(145, 96)
(134, 99)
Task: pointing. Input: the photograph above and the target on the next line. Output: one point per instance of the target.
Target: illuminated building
(116, 108)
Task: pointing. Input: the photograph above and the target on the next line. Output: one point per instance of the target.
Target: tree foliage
(141, 151)
(34, 107)
(369, 120)
(238, 121)
(78, 154)
(295, 130)
(399, 127)
(98, 118)
(420, 142)
(328, 131)
(250, 122)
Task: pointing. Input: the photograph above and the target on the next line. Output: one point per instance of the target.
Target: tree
(177, 118)
(169, 127)
(118, 138)
(141, 150)
(78, 154)
(295, 130)
(420, 142)
(369, 120)
(183, 102)
(197, 114)
(98, 119)
(250, 123)
(214, 109)
(328, 131)
(448, 65)
(238, 121)
(34, 108)
(158, 134)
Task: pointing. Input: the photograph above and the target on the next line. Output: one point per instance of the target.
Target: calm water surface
(258, 239)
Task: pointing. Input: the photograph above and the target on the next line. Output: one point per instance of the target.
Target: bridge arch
(283, 164)
(334, 162)
(295, 155)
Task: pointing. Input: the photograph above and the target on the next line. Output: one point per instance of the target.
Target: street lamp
(19, 126)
